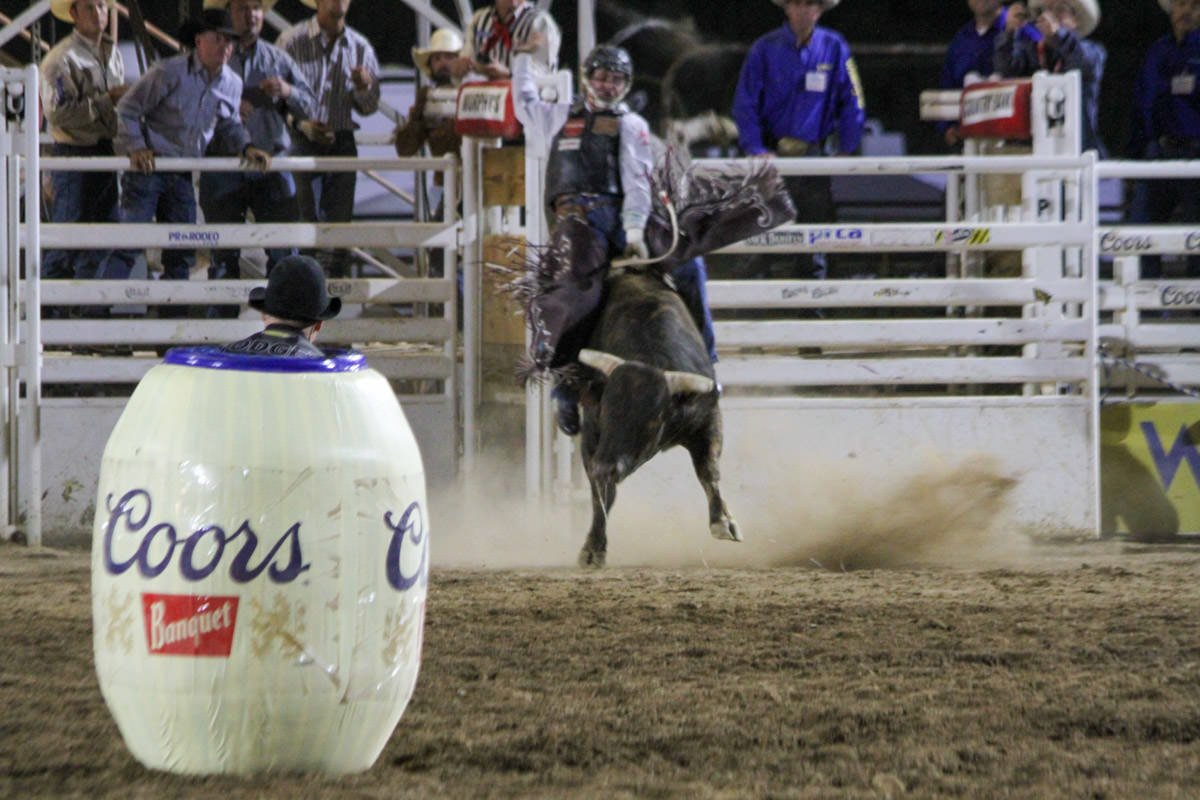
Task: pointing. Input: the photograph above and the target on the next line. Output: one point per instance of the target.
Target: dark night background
(897, 44)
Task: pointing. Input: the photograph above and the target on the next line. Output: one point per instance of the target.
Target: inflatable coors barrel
(259, 564)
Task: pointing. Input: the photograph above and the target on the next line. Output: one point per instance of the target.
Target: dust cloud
(822, 516)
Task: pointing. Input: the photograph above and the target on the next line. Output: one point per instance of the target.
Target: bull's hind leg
(706, 455)
(604, 492)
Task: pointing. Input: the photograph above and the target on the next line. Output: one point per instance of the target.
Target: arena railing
(872, 346)
(406, 325)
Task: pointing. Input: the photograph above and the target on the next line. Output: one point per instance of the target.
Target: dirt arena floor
(1074, 671)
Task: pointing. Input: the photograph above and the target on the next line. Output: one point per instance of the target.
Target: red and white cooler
(259, 564)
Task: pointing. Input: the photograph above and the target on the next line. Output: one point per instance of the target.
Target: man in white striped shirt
(340, 66)
(498, 30)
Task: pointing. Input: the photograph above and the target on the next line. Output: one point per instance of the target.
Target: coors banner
(260, 561)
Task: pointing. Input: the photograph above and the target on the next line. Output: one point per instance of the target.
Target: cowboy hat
(62, 9)
(444, 40)
(210, 19)
(296, 291)
(1087, 13)
(825, 4)
(267, 5)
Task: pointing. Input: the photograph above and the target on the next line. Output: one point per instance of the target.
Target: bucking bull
(643, 373)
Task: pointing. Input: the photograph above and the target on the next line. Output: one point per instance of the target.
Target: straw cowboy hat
(825, 4)
(267, 5)
(62, 9)
(1087, 13)
(444, 40)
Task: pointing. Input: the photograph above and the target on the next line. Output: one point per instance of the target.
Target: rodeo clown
(599, 170)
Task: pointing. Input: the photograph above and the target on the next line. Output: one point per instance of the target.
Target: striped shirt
(327, 65)
(490, 40)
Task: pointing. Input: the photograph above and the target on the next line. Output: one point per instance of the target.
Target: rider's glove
(635, 243)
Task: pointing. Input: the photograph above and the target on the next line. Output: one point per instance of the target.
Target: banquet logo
(189, 625)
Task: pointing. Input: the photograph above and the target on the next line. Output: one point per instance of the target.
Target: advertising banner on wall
(1150, 468)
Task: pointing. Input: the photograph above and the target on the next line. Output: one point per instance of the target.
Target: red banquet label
(189, 625)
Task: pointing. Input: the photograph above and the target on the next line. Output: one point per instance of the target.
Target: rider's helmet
(612, 59)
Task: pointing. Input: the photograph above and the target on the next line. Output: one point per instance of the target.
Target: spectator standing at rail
(431, 118)
(799, 96)
(1065, 26)
(598, 171)
(294, 305)
(497, 31)
(972, 50)
(174, 111)
(341, 67)
(82, 79)
(1166, 125)
(272, 88)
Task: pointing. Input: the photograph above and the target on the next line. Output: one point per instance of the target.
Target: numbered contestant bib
(259, 564)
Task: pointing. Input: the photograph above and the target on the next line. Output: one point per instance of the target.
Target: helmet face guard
(611, 59)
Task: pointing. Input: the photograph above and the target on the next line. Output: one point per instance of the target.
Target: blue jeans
(227, 196)
(690, 278)
(80, 197)
(165, 196)
(327, 196)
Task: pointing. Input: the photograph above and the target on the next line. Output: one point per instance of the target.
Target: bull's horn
(688, 383)
(596, 359)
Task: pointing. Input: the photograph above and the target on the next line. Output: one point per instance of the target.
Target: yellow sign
(1150, 468)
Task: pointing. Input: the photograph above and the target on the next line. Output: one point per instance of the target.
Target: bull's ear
(688, 383)
(598, 360)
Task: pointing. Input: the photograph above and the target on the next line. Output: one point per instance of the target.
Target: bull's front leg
(705, 450)
(604, 492)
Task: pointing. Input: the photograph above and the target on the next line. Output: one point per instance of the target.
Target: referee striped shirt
(326, 65)
(491, 40)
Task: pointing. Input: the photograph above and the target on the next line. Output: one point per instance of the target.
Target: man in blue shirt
(174, 110)
(1166, 125)
(799, 96)
(272, 87)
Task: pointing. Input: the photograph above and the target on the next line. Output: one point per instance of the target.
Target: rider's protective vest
(585, 156)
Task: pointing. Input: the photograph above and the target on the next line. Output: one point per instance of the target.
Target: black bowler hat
(210, 19)
(296, 291)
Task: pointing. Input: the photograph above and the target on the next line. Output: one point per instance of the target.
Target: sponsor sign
(1150, 467)
(486, 109)
(963, 236)
(189, 625)
(997, 110)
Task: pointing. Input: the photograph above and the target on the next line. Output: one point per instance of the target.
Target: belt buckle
(789, 146)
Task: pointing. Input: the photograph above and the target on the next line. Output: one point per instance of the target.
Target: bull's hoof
(725, 531)
(591, 559)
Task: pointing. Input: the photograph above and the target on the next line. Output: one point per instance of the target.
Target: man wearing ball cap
(294, 305)
(1166, 125)
(799, 95)
(272, 88)
(82, 79)
(1065, 26)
